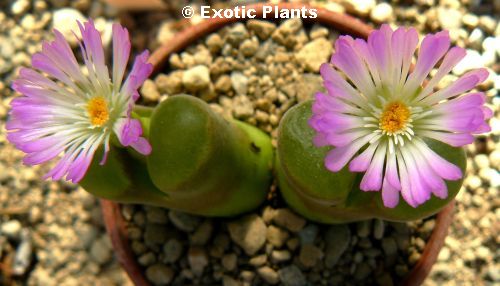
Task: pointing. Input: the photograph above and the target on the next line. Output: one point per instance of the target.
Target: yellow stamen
(98, 111)
(394, 117)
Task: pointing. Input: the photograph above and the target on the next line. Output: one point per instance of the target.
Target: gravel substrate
(44, 224)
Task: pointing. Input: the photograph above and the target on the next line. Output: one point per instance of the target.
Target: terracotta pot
(115, 224)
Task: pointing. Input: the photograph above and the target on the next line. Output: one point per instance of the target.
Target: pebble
(470, 20)
(292, 276)
(24, 254)
(155, 234)
(184, 221)
(315, 53)
(242, 107)
(337, 241)
(258, 260)
(196, 78)
(381, 13)
(229, 261)
(449, 18)
(65, 21)
(214, 43)
(308, 234)
(198, 260)
(20, 7)
(378, 229)
(249, 47)
(11, 229)
(100, 250)
(276, 236)
(248, 232)
(310, 255)
(172, 250)
(202, 234)
(237, 34)
(269, 275)
(263, 29)
(239, 82)
(279, 256)
(149, 91)
(289, 220)
(160, 274)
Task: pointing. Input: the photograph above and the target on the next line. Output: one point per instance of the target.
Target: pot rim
(113, 219)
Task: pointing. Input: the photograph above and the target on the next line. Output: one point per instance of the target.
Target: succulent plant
(200, 162)
(334, 197)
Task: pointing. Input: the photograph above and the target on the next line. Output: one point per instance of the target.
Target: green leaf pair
(320, 195)
(200, 163)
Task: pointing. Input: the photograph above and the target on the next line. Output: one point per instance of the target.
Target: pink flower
(79, 112)
(378, 117)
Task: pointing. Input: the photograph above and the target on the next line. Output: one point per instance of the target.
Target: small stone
(292, 276)
(249, 233)
(258, 260)
(214, 43)
(449, 18)
(237, 34)
(172, 251)
(276, 236)
(147, 259)
(488, 24)
(444, 254)
(196, 78)
(289, 220)
(169, 84)
(308, 234)
(160, 274)
(198, 260)
(389, 246)
(100, 250)
(381, 13)
(11, 229)
(310, 255)
(363, 228)
(156, 215)
(279, 256)
(307, 85)
(263, 29)
(337, 240)
(239, 83)
(242, 107)
(202, 234)
(223, 84)
(229, 261)
(315, 53)
(184, 221)
(20, 7)
(290, 26)
(66, 21)
(155, 234)
(249, 47)
(269, 275)
(470, 20)
(378, 229)
(359, 7)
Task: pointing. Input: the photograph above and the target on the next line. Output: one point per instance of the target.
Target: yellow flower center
(98, 111)
(394, 117)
